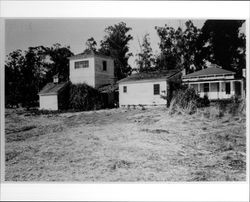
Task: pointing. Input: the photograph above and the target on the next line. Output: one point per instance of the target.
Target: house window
(228, 89)
(104, 65)
(82, 64)
(206, 87)
(156, 89)
(124, 89)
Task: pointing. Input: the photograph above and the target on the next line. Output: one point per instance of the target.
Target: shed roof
(87, 54)
(154, 75)
(52, 88)
(209, 72)
(108, 88)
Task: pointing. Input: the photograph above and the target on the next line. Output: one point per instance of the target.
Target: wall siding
(141, 93)
(83, 75)
(103, 77)
(48, 102)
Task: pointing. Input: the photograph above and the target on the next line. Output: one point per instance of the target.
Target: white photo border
(217, 191)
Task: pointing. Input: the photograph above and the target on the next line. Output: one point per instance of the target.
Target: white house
(91, 68)
(215, 83)
(145, 88)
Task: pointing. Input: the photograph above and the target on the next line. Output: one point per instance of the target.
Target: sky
(24, 33)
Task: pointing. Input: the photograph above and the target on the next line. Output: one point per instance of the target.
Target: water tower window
(104, 65)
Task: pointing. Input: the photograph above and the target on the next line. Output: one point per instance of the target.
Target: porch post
(209, 90)
(220, 89)
(232, 90)
(199, 87)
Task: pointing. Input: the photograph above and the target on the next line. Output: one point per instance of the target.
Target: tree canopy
(222, 43)
(91, 45)
(115, 44)
(146, 58)
(218, 41)
(27, 72)
(59, 61)
(178, 47)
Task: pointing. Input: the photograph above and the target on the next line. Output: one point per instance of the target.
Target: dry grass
(125, 145)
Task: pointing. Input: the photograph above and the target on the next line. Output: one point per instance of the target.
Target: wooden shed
(54, 96)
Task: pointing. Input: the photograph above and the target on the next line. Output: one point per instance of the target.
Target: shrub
(84, 97)
(203, 102)
(187, 101)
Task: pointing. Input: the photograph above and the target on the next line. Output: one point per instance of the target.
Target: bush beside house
(187, 100)
(84, 97)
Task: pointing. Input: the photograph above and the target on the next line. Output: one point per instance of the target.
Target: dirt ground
(124, 145)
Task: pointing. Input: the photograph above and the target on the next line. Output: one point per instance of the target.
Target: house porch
(214, 90)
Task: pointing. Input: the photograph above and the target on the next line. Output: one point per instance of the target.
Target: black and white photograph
(125, 100)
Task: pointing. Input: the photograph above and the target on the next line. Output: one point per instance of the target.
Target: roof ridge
(150, 75)
(209, 71)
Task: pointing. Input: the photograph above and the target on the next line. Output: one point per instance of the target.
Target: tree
(13, 77)
(223, 44)
(26, 73)
(90, 45)
(178, 47)
(145, 59)
(115, 44)
(189, 47)
(58, 56)
(33, 74)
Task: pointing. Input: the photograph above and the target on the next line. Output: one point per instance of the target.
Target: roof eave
(209, 75)
(143, 80)
(48, 93)
(75, 57)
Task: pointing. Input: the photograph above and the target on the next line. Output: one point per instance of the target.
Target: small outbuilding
(215, 83)
(147, 88)
(54, 95)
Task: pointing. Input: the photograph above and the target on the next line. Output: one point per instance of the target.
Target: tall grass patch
(232, 107)
(187, 101)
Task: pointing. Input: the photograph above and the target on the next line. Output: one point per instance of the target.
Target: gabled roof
(52, 88)
(88, 54)
(154, 75)
(210, 71)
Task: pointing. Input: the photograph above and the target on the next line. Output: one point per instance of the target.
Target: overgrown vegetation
(187, 101)
(124, 145)
(83, 97)
(234, 106)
